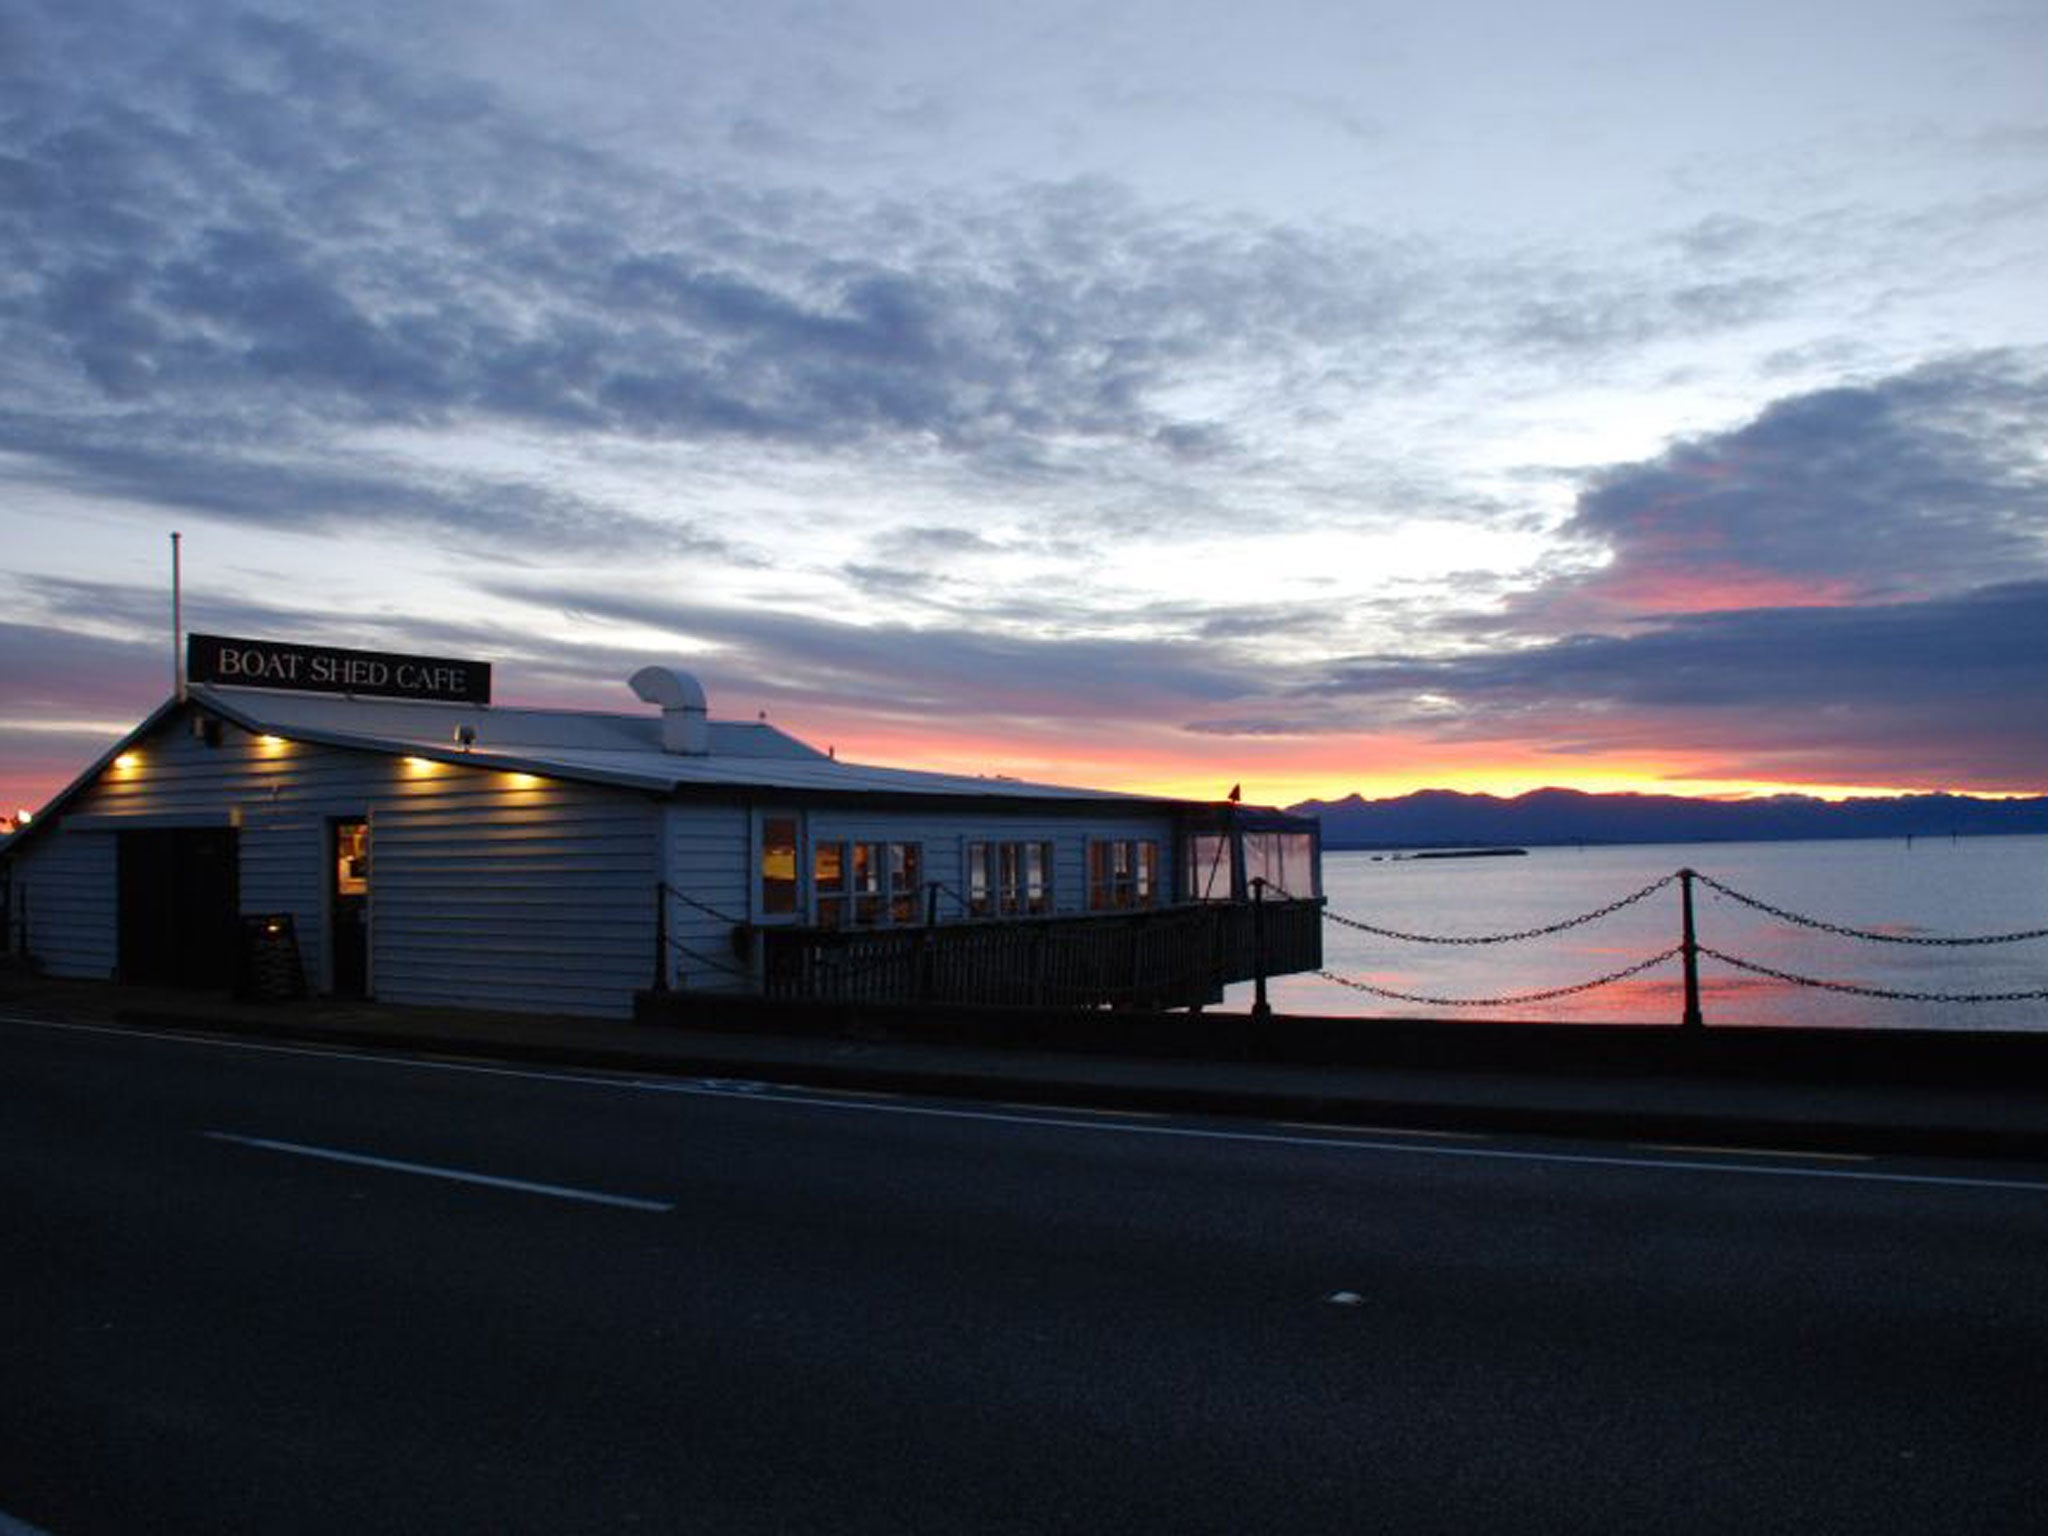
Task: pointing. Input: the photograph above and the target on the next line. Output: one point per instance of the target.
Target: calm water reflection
(1935, 886)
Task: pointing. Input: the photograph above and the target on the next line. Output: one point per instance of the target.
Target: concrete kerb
(1605, 1109)
(1984, 1118)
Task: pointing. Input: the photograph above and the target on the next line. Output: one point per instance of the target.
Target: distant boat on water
(1459, 853)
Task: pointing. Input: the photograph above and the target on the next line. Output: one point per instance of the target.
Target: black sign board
(330, 669)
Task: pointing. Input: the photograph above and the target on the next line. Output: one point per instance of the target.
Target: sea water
(1924, 888)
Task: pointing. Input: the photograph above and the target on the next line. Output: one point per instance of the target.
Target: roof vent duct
(685, 717)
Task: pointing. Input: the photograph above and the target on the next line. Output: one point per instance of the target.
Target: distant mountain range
(1443, 818)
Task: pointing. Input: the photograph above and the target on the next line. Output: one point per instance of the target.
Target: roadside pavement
(2007, 1120)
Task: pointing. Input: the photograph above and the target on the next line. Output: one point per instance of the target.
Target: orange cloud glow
(1717, 588)
(1287, 770)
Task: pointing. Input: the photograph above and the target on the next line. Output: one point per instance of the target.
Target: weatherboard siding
(65, 888)
(709, 856)
(492, 890)
(488, 889)
(72, 875)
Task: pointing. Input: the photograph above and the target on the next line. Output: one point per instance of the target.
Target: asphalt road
(258, 1289)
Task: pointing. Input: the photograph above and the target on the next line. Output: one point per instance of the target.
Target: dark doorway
(348, 906)
(179, 895)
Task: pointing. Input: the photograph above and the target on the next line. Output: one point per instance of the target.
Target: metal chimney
(685, 717)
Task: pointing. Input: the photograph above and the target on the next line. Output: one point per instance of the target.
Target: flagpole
(177, 622)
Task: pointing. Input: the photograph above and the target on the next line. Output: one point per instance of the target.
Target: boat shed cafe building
(361, 824)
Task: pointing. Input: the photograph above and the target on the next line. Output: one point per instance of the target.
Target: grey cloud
(910, 563)
(251, 211)
(56, 672)
(1722, 235)
(1924, 483)
(889, 581)
(1937, 691)
(900, 669)
(935, 542)
(67, 619)
(229, 472)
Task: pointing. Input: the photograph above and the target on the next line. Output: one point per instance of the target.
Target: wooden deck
(1172, 957)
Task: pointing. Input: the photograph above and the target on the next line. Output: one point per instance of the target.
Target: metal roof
(623, 750)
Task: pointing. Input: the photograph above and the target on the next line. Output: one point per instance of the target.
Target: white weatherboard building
(461, 854)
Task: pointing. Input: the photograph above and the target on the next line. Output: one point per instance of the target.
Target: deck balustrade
(1170, 957)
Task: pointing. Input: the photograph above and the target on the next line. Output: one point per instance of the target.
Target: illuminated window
(1010, 879)
(778, 866)
(906, 876)
(828, 877)
(1123, 872)
(867, 884)
(351, 858)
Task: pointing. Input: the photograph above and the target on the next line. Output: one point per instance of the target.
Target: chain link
(713, 961)
(1508, 1000)
(1506, 938)
(1890, 993)
(1863, 933)
(709, 911)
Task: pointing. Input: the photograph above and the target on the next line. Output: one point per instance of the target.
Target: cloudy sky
(1322, 396)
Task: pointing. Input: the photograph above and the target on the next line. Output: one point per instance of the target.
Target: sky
(1317, 397)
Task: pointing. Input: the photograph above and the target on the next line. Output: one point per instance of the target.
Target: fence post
(926, 959)
(661, 936)
(1689, 949)
(1262, 1011)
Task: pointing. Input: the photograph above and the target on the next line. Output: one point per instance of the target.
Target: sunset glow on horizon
(1321, 400)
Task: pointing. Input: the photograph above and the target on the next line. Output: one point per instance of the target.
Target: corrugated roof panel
(611, 749)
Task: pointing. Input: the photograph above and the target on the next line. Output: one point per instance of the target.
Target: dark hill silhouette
(1443, 818)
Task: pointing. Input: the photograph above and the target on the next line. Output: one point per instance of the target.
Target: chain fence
(705, 907)
(1890, 994)
(1870, 935)
(1506, 938)
(1511, 999)
(1688, 949)
(710, 961)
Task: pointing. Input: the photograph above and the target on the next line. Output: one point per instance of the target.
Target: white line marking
(1382, 1130)
(456, 1175)
(799, 1098)
(1498, 1154)
(1079, 1109)
(1821, 1157)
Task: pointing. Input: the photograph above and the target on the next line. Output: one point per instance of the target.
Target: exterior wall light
(127, 761)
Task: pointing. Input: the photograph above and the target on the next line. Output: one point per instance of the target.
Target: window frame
(1123, 874)
(757, 883)
(1009, 877)
(876, 883)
